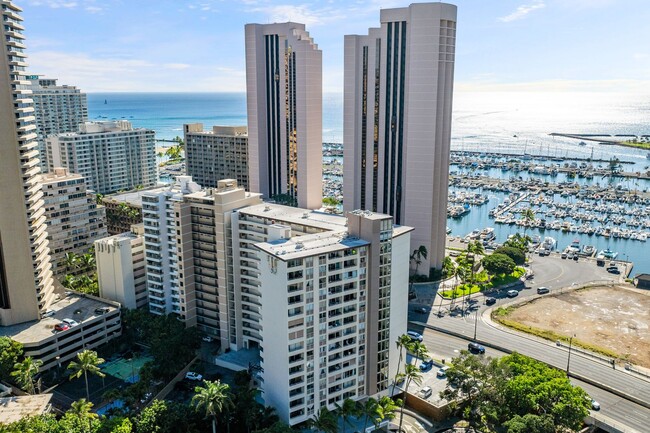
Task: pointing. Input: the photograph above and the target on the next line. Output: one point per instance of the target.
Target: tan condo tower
(285, 113)
(397, 120)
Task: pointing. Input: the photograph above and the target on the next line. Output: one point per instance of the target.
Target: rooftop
(14, 409)
(310, 245)
(300, 216)
(78, 307)
(135, 197)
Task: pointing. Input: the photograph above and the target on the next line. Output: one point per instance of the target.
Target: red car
(61, 327)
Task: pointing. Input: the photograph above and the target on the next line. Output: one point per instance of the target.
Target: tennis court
(126, 369)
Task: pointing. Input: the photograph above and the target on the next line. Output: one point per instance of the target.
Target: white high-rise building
(26, 286)
(58, 109)
(285, 113)
(112, 156)
(74, 221)
(397, 120)
(121, 268)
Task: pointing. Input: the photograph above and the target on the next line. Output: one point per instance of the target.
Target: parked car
(415, 336)
(207, 339)
(70, 322)
(442, 373)
(421, 310)
(512, 293)
(61, 327)
(490, 301)
(102, 310)
(564, 255)
(476, 348)
(426, 365)
(412, 295)
(614, 270)
(190, 375)
(48, 313)
(542, 290)
(595, 405)
(426, 392)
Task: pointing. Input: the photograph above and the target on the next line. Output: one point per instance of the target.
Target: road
(557, 274)
(617, 408)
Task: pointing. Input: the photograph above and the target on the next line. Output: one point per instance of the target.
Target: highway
(557, 274)
(623, 411)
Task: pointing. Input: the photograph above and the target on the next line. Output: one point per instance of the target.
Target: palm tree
(69, 281)
(527, 215)
(475, 248)
(215, 397)
(418, 255)
(25, 371)
(71, 261)
(368, 410)
(87, 362)
(87, 261)
(402, 342)
(411, 374)
(346, 410)
(82, 410)
(324, 421)
(419, 351)
(386, 409)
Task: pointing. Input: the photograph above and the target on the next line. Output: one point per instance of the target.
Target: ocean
(505, 122)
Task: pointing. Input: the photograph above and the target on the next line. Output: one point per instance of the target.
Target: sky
(198, 45)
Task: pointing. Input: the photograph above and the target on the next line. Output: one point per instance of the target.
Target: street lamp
(568, 361)
(58, 366)
(475, 324)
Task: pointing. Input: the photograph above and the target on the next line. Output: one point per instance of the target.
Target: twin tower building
(398, 84)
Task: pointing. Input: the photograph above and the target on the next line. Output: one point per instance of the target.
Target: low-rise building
(121, 268)
(95, 321)
(74, 221)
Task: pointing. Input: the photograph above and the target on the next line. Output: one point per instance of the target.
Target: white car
(426, 392)
(70, 322)
(207, 339)
(190, 375)
(512, 293)
(415, 336)
(442, 373)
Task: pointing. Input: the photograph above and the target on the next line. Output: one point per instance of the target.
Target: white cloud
(522, 11)
(303, 14)
(177, 65)
(94, 9)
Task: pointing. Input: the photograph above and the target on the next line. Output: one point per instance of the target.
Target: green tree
(418, 256)
(348, 409)
(214, 397)
(369, 410)
(448, 267)
(10, 351)
(87, 362)
(33, 424)
(169, 417)
(530, 423)
(324, 421)
(403, 342)
(517, 255)
(277, 427)
(498, 264)
(71, 261)
(528, 216)
(419, 350)
(411, 374)
(386, 410)
(519, 241)
(25, 371)
(81, 410)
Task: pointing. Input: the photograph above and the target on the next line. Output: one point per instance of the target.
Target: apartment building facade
(221, 153)
(121, 268)
(397, 119)
(57, 108)
(74, 221)
(26, 285)
(285, 113)
(112, 156)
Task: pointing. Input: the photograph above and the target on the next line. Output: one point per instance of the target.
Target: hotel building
(121, 268)
(58, 109)
(285, 113)
(221, 153)
(26, 285)
(73, 219)
(397, 120)
(112, 156)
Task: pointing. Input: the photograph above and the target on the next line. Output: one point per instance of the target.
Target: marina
(598, 213)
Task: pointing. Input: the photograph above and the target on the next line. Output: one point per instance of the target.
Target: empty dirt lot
(616, 318)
